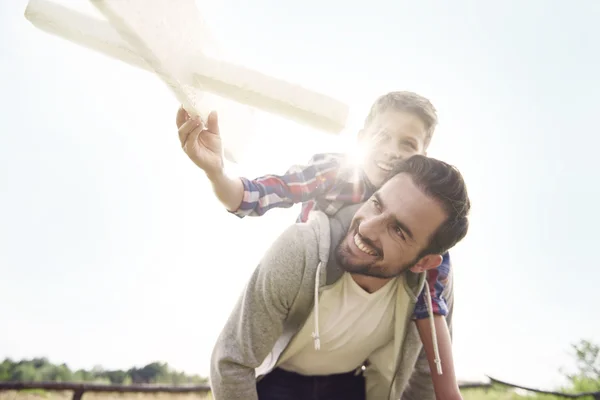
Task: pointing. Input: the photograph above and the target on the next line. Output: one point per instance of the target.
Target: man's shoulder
(294, 250)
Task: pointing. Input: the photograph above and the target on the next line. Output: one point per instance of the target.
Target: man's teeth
(384, 166)
(362, 246)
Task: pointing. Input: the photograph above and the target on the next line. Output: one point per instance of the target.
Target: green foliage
(587, 359)
(585, 379)
(42, 370)
(495, 393)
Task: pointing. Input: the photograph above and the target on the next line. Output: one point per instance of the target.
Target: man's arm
(257, 319)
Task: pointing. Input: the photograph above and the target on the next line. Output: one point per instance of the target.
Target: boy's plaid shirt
(328, 183)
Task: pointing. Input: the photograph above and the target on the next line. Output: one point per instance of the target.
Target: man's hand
(201, 143)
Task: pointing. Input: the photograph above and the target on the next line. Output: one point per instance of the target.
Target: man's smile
(364, 247)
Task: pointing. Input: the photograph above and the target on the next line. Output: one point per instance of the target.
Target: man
(399, 124)
(334, 294)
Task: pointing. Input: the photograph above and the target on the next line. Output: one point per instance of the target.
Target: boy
(399, 125)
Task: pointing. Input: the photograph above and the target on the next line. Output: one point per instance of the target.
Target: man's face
(390, 137)
(390, 230)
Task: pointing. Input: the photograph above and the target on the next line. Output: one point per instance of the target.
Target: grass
(497, 393)
(471, 394)
(67, 395)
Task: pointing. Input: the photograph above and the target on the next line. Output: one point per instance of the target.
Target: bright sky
(113, 250)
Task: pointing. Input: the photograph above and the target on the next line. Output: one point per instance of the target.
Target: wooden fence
(590, 395)
(79, 389)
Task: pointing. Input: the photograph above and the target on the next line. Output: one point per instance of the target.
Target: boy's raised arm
(243, 196)
(300, 183)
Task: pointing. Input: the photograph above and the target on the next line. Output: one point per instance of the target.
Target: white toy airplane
(166, 37)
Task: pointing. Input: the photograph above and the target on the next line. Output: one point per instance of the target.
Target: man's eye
(400, 233)
(376, 203)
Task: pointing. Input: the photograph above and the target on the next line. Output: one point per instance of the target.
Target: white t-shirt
(352, 323)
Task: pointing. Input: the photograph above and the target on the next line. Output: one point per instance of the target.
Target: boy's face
(390, 137)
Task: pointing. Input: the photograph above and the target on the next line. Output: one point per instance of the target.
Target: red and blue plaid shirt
(328, 183)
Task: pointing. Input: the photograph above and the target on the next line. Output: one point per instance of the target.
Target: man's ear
(427, 262)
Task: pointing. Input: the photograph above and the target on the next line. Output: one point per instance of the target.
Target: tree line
(584, 377)
(42, 370)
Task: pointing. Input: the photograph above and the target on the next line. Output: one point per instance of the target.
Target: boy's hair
(445, 184)
(409, 102)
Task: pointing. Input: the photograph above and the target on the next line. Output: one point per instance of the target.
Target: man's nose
(370, 228)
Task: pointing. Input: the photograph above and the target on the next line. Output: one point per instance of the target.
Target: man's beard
(344, 258)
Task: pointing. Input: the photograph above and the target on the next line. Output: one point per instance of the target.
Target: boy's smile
(385, 166)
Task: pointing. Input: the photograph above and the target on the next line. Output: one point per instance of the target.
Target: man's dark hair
(444, 183)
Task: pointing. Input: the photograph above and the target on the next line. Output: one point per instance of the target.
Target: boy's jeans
(284, 385)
